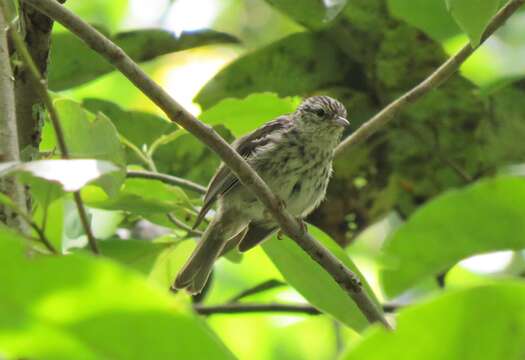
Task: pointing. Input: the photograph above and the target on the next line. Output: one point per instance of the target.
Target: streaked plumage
(293, 154)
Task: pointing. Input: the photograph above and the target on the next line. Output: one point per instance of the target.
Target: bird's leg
(304, 226)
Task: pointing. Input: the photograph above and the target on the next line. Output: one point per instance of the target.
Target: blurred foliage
(412, 201)
(454, 319)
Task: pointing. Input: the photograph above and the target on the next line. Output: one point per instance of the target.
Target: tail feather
(200, 263)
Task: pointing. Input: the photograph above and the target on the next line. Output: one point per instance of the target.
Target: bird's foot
(280, 234)
(303, 224)
(268, 215)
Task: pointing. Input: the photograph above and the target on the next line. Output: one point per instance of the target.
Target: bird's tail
(194, 274)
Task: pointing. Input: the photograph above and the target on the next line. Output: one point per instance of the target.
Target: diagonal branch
(41, 87)
(439, 76)
(290, 226)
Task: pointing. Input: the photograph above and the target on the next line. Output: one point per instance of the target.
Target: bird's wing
(255, 234)
(224, 180)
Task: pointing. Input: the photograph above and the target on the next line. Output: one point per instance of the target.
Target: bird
(293, 154)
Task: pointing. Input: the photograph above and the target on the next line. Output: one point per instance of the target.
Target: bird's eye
(320, 112)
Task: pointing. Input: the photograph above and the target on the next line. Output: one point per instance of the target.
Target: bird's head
(322, 112)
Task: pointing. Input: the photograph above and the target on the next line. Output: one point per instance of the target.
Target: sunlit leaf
(81, 307)
(473, 16)
(430, 16)
(73, 63)
(140, 196)
(456, 325)
(486, 216)
(243, 115)
(298, 64)
(70, 174)
(313, 282)
(90, 136)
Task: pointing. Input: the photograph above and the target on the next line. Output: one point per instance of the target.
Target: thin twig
(255, 308)
(167, 179)
(433, 81)
(267, 285)
(290, 226)
(146, 160)
(240, 308)
(184, 226)
(27, 218)
(41, 85)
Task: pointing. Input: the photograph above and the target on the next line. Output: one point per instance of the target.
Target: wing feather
(224, 180)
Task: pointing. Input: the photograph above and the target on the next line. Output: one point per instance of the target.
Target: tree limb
(41, 85)
(433, 81)
(290, 226)
(9, 150)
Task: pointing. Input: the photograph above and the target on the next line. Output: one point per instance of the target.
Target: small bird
(293, 155)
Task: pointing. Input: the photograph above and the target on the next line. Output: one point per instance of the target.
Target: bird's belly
(299, 179)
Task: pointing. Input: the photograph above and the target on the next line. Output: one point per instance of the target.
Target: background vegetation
(438, 185)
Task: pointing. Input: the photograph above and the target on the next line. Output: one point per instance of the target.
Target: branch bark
(36, 30)
(40, 85)
(289, 225)
(435, 79)
(9, 150)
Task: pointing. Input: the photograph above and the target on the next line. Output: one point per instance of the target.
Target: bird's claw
(302, 224)
(280, 235)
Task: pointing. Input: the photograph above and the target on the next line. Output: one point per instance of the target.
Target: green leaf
(71, 175)
(313, 14)
(140, 196)
(82, 307)
(313, 282)
(73, 63)
(138, 127)
(50, 217)
(243, 115)
(484, 217)
(92, 136)
(485, 322)
(430, 16)
(473, 16)
(298, 64)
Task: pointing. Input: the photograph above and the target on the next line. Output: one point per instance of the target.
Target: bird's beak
(341, 121)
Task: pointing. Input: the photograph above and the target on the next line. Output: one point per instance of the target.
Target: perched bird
(293, 155)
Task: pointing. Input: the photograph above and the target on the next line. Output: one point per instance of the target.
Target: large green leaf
(81, 307)
(243, 115)
(310, 13)
(487, 216)
(473, 16)
(89, 136)
(73, 63)
(140, 196)
(159, 260)
(430, 16)
(298, 64)
(138, 127)
(480, 323)
(313, 282)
